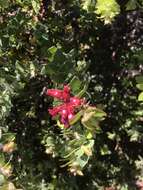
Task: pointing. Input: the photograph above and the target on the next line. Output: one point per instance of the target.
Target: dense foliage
(93, 48)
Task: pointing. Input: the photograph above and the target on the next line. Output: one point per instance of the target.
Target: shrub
(94, 140)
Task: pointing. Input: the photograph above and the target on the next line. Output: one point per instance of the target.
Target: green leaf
(8, 186)
(76, 118)
(124, 187)
(90, 122)
(107, 9)
(36, 5)
(2, 179)
(79, 153)
(111, 135)
(140, 97)
(139, 79)
(2, 160)
(60, 66)
(97, 112)
(82, 162)
(140, 86)
(60, 125)
(75, 85)
(89, 135)
(104, 150)
(83, 91)
(138, 113)
(91, 118)
(4, 3)
(131, 5)
(89, 5)
(8, 137)
(134, 135)
(100, 113)
(51, 53)
(91, 143)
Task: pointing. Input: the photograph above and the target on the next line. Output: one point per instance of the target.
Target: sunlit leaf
(76, 118)
(131, 5)
(105, 150)
(107, 9)
(140, 86)
(140, 97)
(36, 5)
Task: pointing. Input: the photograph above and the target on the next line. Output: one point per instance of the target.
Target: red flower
(67, 109)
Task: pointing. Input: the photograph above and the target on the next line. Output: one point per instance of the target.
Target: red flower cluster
(67, 109)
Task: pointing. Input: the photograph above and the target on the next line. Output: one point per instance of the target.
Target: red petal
(65, 97)
(65, 121)
(70, 116)
(55, 93)
(70, 108)
(60, 94)
(53, 112)
(56, 110)
(67, 89)
(66, 93)
(76, 101)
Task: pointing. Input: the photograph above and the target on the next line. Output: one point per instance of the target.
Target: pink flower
(67, 109)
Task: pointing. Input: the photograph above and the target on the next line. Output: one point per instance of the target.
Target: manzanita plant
(46, 141)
